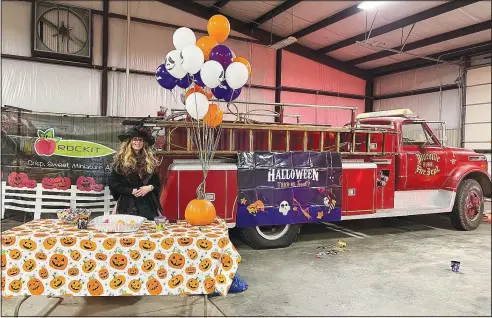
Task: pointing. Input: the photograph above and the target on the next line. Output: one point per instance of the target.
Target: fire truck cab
(392, 164)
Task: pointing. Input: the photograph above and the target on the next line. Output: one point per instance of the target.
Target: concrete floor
(392, 267)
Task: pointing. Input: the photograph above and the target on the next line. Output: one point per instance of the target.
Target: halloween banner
(57, 151)
(276, 188)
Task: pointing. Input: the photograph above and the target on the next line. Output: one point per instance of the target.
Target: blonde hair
(126, 160)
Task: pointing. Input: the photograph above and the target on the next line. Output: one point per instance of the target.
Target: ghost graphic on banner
(330, 201)
(284, 207)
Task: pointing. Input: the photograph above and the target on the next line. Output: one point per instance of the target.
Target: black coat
(121, 188)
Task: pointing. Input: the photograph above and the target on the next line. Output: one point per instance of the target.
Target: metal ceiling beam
(446, 56)
(421, 16)
(286, 5)
(163, 24)
(327, 21)
(219, 5)
(426, 90)
(482, 26)
(266, 38)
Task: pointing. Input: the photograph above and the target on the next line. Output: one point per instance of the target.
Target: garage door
(477, 123)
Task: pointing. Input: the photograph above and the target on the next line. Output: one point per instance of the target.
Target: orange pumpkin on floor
(200, 212)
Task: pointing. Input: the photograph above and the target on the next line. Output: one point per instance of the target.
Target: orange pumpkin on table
(200, 212)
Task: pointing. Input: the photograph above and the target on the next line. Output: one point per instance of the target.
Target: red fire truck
(390, 164)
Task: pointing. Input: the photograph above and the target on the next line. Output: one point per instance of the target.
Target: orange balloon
(244, 61)
(206, 44)
(214, 116)
(195, 89)
(219, 28)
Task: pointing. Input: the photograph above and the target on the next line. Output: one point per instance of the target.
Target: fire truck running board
(414, 202)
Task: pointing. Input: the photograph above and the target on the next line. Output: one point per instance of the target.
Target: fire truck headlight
(477, 158)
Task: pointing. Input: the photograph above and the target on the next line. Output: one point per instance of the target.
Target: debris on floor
(341, 244)
(487, 217)
(455, 266)
(323, 250)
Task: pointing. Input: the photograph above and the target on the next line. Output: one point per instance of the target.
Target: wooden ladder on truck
(174, 138)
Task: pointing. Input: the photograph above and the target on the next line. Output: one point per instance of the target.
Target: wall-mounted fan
(62, 31)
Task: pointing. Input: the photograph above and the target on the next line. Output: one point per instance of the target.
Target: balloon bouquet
(205, 68)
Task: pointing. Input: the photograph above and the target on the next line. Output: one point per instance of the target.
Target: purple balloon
(223, 91)
(197, 79)
(165, 79)
(185, 82)
(222, 54)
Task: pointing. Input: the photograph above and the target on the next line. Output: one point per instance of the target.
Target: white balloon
(236, 75)
(212, 73)
(183, 37)
(197, 105)
(174, 64)
(193, 59)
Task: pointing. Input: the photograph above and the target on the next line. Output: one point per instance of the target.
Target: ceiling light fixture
(283, 43)
(369, 5)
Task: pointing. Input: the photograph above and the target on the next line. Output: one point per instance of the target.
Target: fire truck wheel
(468, 207)
(275, 236)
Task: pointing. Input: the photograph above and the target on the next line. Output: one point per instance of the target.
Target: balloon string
(206, 139)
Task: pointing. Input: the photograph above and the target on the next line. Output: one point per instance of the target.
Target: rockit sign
(47, 145)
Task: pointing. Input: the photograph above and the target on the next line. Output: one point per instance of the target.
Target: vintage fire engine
(381, 164)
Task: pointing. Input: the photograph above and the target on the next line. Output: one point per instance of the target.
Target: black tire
(283, 238)
(459, 217)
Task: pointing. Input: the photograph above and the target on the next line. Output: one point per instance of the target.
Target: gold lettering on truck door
(427, 164)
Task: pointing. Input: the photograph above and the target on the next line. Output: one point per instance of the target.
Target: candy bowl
(70, 216)
(117, 223)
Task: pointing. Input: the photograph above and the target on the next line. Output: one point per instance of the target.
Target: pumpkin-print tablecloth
(46, 257)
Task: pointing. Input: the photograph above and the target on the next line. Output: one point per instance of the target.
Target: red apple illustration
(45, 144)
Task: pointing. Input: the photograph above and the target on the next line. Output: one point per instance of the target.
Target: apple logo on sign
(45, 144)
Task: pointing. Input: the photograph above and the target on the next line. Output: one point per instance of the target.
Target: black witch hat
(138, 130)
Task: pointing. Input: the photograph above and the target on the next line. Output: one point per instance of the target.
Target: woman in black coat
(133, 183)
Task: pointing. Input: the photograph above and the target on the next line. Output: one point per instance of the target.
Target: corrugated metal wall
(303, 73)
(445, 106)
(477, 123)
